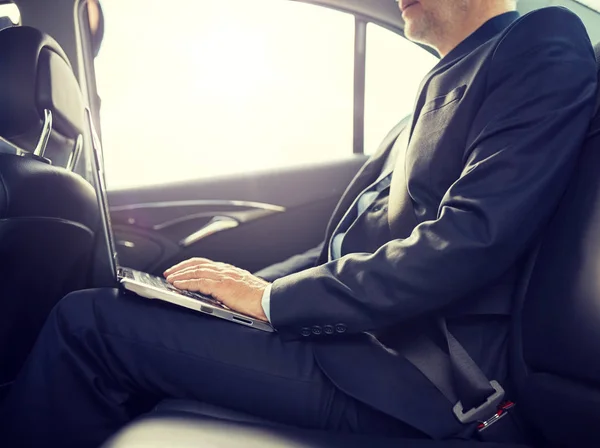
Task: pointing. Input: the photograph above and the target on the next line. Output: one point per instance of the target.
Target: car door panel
(250, 220)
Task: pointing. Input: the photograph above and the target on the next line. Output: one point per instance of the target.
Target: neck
(473, 20)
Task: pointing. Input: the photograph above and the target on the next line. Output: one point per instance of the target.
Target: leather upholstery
(47, 217)
(29, 188)
(35, 74)
(209, 433)
(47, 214)
(557, 336)
(188, 407)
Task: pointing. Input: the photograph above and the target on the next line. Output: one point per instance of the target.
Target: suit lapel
(401, 215)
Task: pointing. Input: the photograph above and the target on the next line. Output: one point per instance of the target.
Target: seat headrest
(35, 74)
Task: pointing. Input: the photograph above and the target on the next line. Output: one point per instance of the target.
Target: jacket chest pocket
(434, 156)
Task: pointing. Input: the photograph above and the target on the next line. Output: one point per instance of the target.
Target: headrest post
(74, 157)
(40, 148)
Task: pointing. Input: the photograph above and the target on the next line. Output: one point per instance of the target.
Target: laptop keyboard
(126, 273)
(155, 281)
(161, 283)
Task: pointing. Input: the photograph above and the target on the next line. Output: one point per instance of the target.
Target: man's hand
(234, 287)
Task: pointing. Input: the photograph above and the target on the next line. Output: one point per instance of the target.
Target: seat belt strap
(471, 385)
(432, 362)
(456, 376)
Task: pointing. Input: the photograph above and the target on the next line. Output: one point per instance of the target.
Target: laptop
(146, 285)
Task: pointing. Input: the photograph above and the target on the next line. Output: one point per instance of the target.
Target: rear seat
(555, 362)
(47, 213)
(556, 346)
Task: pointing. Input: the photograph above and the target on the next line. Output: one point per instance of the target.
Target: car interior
(52, 79)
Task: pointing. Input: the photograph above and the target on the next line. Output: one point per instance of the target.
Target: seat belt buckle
(485, 411)
(501, 413)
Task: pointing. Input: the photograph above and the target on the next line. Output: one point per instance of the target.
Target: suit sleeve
(292, 265)
(520, 153)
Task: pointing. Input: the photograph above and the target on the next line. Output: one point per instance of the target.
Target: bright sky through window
(215, 87)
(594, 4)
(11, 11)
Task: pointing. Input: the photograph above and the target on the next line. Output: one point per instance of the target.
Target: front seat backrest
(47, 214)
(41, 78)
(556, 355)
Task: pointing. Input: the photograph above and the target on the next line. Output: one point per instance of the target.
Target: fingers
(234, 288)
(187, 264)
(216, 288)
(195, 273)
(201, 285)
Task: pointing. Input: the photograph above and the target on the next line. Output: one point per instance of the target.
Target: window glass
(9, 15)
(394, 71)
(215, 87)
(592, 4)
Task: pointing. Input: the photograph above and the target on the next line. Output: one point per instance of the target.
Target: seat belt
(476, 400)
(474, 397)
(478, 397)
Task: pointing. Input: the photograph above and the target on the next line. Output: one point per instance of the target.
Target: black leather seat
(47, 213)
(36, 75)
(555, 351)
(206, 432)
(556, 337)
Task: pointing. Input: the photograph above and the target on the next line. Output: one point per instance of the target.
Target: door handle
(241, 211)
(216, 225)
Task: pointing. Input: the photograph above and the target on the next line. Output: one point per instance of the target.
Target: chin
(413, 32)
(418, 29)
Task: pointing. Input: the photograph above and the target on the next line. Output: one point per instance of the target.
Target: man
(435, 224)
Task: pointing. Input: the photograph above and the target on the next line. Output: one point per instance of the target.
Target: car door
(231, 129)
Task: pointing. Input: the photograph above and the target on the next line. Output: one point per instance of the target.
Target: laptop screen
(110, 253)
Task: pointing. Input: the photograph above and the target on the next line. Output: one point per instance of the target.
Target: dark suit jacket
(496, 130)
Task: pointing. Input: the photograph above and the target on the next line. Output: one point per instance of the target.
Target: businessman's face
(430, 21)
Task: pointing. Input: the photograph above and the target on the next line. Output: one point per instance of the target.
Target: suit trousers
(104, 358)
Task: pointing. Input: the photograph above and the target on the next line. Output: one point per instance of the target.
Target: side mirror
(96, 22)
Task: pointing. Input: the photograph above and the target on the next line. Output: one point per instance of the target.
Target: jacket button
(305, 332)
(328, 329)
(340, 328)
(316, 330)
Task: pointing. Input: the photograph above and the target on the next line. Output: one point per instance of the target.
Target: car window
(395, 68)
(9, 15)
(227, 87)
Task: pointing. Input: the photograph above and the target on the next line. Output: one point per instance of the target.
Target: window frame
(84, 37)
(360, 67)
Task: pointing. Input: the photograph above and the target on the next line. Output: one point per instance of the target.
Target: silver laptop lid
(107, 248)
